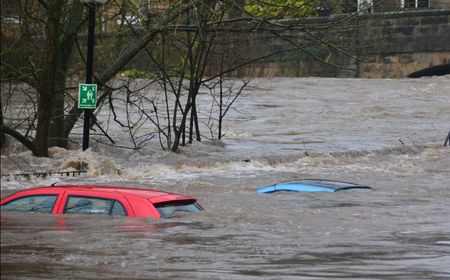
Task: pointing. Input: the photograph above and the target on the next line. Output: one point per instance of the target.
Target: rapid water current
(387, 134)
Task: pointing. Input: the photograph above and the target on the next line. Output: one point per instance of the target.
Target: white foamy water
(387, 134)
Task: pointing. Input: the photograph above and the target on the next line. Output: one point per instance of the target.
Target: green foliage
(137, 74)
(281, 9)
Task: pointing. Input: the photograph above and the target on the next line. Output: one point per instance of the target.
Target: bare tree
(43, 61)
(190, 45)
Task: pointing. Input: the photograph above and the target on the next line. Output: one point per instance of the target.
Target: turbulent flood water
(387, 134)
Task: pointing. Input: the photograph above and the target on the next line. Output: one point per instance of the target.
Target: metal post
(89, 67)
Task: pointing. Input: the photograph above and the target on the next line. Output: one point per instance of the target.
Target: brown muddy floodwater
(281, 129)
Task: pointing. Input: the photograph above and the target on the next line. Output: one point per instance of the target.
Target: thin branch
(18, 136)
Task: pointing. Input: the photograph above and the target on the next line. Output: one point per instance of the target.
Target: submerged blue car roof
(311, 185)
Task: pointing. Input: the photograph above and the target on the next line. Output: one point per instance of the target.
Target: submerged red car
(106, 200)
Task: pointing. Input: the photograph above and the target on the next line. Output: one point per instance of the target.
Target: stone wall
(410, 42)
(389, 45)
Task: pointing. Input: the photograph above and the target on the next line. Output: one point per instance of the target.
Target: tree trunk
(57, 124)
(2, 133)
(48, 77)
(43, 125)
(181, 130)
(195, 119)
(66, 45)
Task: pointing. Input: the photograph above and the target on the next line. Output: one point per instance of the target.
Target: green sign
(87, 96)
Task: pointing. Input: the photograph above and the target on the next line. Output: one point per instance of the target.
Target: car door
(95, 202)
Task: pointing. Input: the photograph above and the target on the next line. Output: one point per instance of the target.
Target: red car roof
(152, 195)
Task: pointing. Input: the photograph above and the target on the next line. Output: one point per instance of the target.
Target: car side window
(34, 203)
(93, 205)
(118, 210)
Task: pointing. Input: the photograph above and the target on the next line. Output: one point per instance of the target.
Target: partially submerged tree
(190, 45)
(38, 50)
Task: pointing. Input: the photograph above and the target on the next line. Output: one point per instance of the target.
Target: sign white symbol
(87, 96)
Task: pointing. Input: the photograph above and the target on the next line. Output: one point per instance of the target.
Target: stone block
(444, 31)
(408, 21)
(435, 20)
(405, 58)
(403, 31)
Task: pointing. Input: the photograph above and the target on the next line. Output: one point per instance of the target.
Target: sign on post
(87, 96)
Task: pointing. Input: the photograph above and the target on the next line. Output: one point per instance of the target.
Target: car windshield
(168, 209)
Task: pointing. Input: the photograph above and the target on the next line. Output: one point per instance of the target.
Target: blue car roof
(311, 185)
